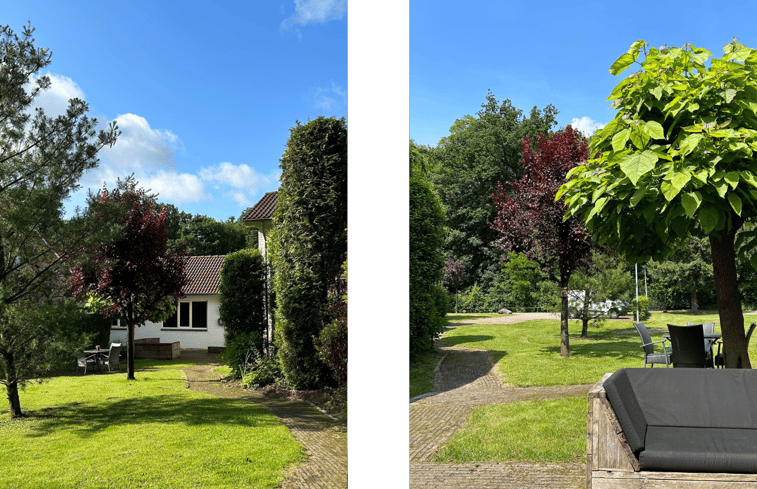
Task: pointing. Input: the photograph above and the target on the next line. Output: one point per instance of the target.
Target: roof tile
(204, 273)
(263, 209)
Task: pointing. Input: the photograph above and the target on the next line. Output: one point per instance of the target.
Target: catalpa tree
(529, 220)
(134, 276)
(678, 161)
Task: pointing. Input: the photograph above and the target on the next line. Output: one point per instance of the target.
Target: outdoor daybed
(683, 427)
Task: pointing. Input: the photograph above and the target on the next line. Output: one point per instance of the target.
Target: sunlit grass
(104, 431)
(529, 431)
(528, 353)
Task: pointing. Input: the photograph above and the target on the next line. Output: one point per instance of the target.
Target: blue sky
(204, 92)
(548, 52)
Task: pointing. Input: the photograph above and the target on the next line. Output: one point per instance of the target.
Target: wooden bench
(612, 462)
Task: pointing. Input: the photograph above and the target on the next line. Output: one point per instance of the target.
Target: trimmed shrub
(242, 291)
(426, 266)
(308, 244)
(644, 313)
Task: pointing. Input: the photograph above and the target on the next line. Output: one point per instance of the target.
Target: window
(189, 314)
(116, 323)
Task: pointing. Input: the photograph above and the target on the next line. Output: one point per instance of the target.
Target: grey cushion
(623, 400)
(700, 450)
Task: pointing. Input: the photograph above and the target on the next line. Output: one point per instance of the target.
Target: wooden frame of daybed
(610, 463)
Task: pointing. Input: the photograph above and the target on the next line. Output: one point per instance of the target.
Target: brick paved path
(465, 379)
(324, 439)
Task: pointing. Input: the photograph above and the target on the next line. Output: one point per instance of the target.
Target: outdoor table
(98, 354)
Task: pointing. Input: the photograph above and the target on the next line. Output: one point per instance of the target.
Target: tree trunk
(694, 304)
(130, 352)
(585, 316)
(11, 387)
(564, 338)
(729, 300)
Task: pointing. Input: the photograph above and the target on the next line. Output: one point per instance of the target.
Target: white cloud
(328, 98)
(239, 183)
(176, 187)
(313, 11)
(141, 147)
(54, 99)
(586, 125)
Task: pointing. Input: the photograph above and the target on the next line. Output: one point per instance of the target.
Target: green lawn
(102, 431)
(528, 354)
(532, 431)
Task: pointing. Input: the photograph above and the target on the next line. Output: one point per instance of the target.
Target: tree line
(666, 185)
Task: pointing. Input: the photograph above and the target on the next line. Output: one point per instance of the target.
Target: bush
(308, 243)
(472, 300)
(242, 291)
(427, 299)
(331, 345)
(235, 354)
(258, 370)
(644, 313)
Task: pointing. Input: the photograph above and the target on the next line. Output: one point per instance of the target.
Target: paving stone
(466, 379)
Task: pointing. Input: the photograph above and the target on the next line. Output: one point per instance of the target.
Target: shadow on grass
(601, 348)
(462, 339)
(87, 420)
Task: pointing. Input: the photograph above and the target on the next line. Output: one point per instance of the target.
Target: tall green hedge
(242, 290)
(308, 243)
(428, 300)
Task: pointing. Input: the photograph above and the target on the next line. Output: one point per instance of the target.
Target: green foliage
(480, 151)
(41, 161)
(243, 293)
(644, 313)
(331, 343)
(309, 243)
(237, 349)
(204, 235)
(685, 279)
(607, 278)
(426, 266)
(677, 158)
(259, 370)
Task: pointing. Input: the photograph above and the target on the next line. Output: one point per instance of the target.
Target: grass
(103, 431)
(528, 354)
(532, 431)
(422, 372)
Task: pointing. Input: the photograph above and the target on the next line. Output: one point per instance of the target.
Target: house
(197, 322)
(261, 217)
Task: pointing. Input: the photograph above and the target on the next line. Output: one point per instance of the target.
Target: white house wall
(188, 337)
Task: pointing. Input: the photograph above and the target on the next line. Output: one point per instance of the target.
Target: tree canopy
(41, 161)
(676, 161)
(480, 151)
(134, 276)
(530, 220)
(308, 243)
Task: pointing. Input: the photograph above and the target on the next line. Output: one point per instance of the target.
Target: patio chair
(687, 342)
(83, 362)
(720, 357)
(707, 328)
(113, 359)
(650, 357)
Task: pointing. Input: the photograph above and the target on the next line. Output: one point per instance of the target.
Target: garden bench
(676, 428)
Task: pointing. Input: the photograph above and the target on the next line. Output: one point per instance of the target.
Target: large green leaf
(732, 177)
(638, 195)
(626, 59)
(673, 186)
(708, 218)
(691, 202)
(619, 139)
(637, 164)
(735, 202)
(654, 130)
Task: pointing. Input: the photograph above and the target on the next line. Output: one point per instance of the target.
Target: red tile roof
(263, 209)
(204, 274)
